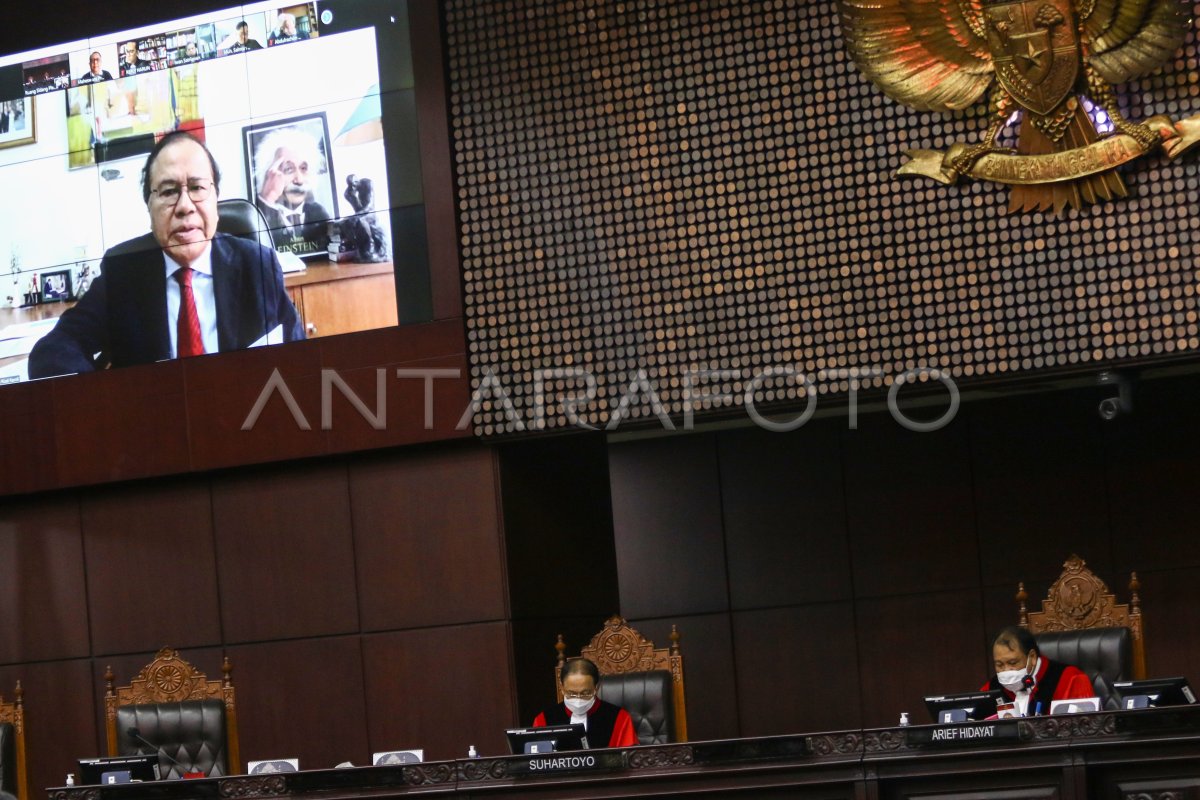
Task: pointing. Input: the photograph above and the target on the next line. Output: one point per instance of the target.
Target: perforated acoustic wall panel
(650, 187)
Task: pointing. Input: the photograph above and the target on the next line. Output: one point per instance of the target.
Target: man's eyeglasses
(168, 194)
(579, 695)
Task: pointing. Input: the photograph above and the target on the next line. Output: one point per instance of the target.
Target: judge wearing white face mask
(606, 725)
(1030, 681)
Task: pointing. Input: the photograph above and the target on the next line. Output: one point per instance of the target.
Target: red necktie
(189, 342)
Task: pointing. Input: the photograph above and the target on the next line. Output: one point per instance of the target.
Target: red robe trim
(623, 734)
(1064, 683)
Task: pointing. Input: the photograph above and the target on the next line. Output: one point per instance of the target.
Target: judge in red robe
(1030, 681)
(606, 725)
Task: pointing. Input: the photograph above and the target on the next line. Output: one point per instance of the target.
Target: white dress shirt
(205, 296)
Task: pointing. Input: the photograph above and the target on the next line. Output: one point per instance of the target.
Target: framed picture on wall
(289, 170)
(17, 123)
(56, 286)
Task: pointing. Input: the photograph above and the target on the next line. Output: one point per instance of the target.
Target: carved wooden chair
(174, 706)
(1082, 624)
(13, 778)
(646, 682)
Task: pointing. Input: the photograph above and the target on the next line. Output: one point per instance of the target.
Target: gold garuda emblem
(1050, 60)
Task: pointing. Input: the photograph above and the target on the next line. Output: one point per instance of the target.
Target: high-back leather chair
(238, 217)
(1082, 624)
(646, 682)
(174, 706)
(13, 778)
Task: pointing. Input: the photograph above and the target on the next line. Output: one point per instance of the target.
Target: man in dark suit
(178, 291)
(95, 73)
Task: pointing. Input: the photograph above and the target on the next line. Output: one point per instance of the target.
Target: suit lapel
(143, 302)
(227, 288)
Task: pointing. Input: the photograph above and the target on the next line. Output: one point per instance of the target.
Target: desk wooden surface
(1118, 755)
(323, 270)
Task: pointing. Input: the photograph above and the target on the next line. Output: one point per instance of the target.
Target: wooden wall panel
(1170, 599)
(286, 553)
(60, 725)
(909, 508)
(558, 526)
(98, 439)
(784, 516)
(1151, 478)
(222, 391)
(797, 669)
(667, 527)
(1040, 491)
(915, 645)
(29, 457)
(41, 572)
(302, 699)
(441, 689)
(427, 539)
(149, 547)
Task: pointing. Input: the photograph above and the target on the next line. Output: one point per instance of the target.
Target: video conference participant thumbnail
(181, 290)
(1029, 680)
(96, 71)
(606, 725)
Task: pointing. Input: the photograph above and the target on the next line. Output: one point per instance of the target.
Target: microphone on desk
(136, 735)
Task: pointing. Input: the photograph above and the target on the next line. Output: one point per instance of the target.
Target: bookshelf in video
(307, 110)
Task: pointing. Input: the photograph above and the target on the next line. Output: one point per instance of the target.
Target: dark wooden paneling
(29, 457)
(427, 538)
(151, 570)
(706, 643)
(1170, 605)
(1038, 470)
(41, 572)
(909, 508)
(557, 527)
(797, 669)
(404, 404)
(784, 516)
(59, 724)
(913, 646)
(667, 526)
(120, 424)
(302, 699)
(221, 392)
(441, 689)
(286, 553)
(558, 522)
(1152, 477)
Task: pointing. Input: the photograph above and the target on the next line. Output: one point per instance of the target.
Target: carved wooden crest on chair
(14, 714)
(618, 649)
(171, 679)
(1079, 600)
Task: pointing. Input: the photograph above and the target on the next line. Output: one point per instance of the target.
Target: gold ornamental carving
(1079, 599)
(1049, 61)
(169, 679)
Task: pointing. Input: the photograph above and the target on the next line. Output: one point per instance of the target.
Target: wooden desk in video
(342, 298)
(330, 298)
(1120, 755)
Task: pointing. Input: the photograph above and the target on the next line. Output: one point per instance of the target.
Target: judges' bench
(1122, 755)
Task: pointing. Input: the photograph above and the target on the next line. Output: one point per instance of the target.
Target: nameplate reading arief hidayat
(963, 733)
